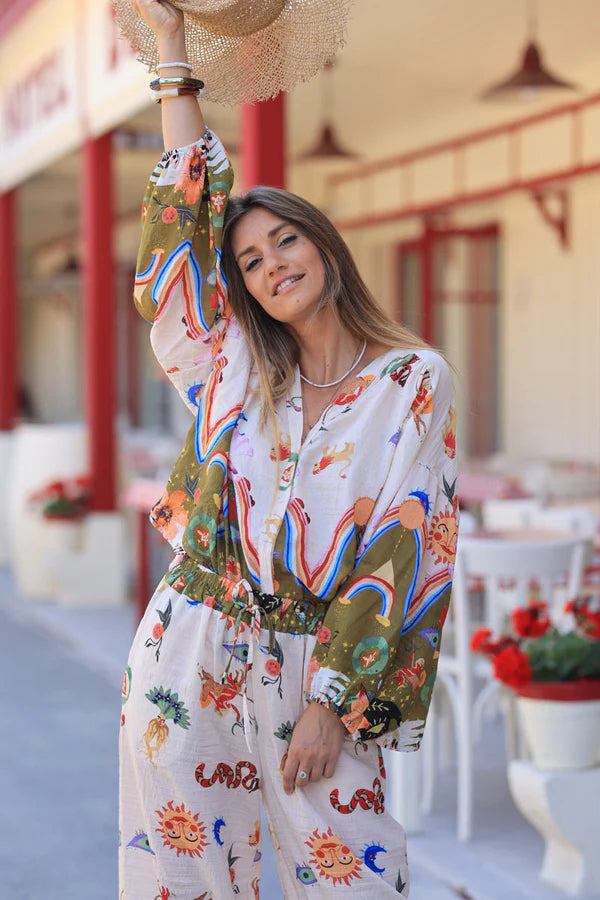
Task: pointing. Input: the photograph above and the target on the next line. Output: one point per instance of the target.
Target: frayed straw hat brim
(247, 50)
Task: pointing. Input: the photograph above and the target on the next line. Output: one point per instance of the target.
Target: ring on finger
(302, 775)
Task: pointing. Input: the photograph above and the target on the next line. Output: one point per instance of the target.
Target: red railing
(457, 147)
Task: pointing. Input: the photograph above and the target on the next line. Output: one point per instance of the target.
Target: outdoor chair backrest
(509, 569)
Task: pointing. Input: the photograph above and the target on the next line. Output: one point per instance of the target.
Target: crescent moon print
(369, 857)
(218, 824)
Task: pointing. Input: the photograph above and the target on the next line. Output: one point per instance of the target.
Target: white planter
(40, 454)
(561, 734)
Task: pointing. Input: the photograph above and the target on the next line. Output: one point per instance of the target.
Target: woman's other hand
(314, 748)
(161, 17)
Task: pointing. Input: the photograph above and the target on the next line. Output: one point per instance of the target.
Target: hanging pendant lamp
(531, 76)
(327, 146)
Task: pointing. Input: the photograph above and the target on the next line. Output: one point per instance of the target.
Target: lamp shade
(326, 147)
(531, 75)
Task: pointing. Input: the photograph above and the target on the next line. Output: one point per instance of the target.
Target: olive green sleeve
(179, 286)
(376, 655)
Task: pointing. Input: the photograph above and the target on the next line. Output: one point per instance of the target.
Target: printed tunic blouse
(361, 515)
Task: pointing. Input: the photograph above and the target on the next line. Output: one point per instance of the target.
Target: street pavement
(58, 765)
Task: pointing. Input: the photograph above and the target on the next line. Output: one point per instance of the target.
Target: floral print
(168, 515)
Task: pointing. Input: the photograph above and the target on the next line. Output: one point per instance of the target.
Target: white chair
(501, 515)
(496, 562)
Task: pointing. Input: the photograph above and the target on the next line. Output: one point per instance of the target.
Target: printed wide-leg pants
(209, 705)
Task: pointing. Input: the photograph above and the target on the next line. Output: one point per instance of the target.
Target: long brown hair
(273, 347)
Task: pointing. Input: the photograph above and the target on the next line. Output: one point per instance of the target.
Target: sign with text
(39, 95)
(65, 74)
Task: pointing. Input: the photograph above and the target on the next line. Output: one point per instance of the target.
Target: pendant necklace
(345, 375)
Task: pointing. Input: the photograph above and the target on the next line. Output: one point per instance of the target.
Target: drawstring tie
(251, 606)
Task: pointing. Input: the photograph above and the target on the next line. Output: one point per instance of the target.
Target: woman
(313, 516)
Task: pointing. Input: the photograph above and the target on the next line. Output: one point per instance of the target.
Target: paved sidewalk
(58, 764)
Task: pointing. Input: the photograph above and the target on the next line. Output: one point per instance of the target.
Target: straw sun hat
(245, 50)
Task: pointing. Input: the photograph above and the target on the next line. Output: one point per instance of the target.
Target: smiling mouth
(286, 283)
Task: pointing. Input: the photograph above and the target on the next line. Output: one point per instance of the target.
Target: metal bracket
(553, 204)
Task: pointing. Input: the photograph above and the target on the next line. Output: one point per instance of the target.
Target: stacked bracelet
(157, 96)
(173, 65)
(178, 81)
(177, 86)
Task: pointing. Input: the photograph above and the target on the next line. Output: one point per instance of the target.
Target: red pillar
(99, 297)
(262, 128)
(8, 311)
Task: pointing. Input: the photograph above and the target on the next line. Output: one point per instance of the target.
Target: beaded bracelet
(172, 65)
(158, 83)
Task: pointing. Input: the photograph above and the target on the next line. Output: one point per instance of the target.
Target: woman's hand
(161, 17)
(314, 748)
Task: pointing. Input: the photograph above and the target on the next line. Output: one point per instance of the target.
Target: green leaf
(563, 657)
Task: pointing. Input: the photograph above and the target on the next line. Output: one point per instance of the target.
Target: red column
(99, 318)
(8, 311)
(262, 144)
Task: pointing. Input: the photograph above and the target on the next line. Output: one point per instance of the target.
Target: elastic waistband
(233, 597)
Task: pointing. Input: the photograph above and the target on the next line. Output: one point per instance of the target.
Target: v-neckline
(296, 413)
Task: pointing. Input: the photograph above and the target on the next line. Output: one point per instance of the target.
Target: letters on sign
(36, 97)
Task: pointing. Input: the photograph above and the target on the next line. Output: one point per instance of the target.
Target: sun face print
(180, 830)
(332, 858)
(442, 541)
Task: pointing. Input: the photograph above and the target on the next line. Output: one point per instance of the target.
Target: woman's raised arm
(178, 283)
(182, 120)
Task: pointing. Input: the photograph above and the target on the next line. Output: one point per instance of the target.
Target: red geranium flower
(531, 621)
(480, 641)
(591, 624)
(587, 620)
(511, 666)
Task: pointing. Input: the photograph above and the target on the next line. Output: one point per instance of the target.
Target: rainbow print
(243, 502)
(146, 277)
(381, 587)
(209, 433)
(430, 591)
(181, 267)
(321, 579)
(220, 459)
(419, 598)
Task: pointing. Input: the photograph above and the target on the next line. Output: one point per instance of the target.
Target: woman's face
(281, 267)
